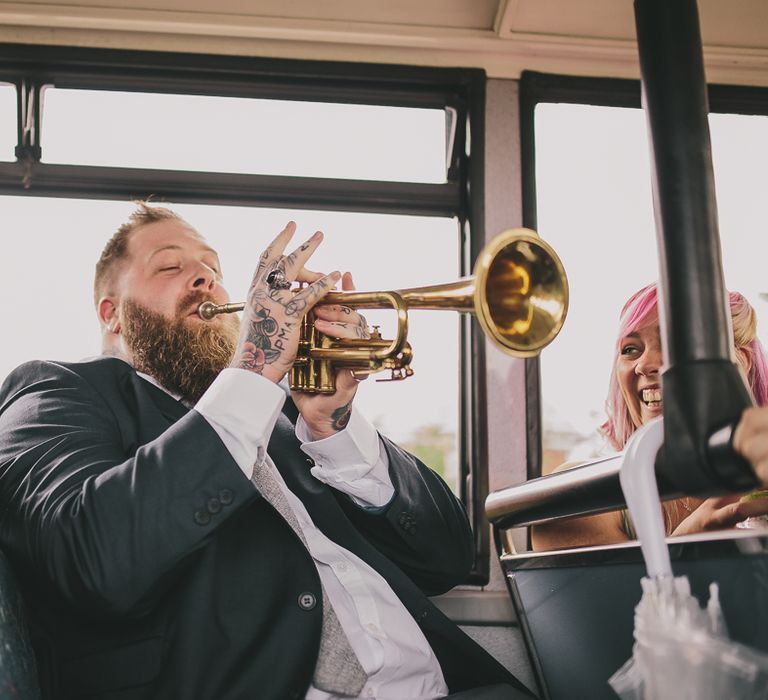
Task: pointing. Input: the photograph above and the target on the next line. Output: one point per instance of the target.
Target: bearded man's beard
(182, 358)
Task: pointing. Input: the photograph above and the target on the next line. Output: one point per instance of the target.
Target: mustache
(192, 300)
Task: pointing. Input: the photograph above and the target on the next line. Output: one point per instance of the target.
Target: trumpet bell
(521, 292)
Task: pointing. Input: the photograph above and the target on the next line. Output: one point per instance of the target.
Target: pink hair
(640, 311)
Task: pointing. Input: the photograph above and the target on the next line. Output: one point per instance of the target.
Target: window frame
(536, 88)
(460, 92)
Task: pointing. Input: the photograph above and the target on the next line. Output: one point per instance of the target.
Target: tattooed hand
(341, 321)
(327, 414)
(269, 330)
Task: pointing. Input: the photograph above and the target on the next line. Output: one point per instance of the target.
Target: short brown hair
(116, 250)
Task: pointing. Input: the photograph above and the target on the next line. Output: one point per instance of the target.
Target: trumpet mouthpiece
(206, 310)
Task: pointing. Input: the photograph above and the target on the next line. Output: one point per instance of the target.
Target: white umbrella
(681, 651)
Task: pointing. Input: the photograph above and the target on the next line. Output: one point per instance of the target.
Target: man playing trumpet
(182, 529)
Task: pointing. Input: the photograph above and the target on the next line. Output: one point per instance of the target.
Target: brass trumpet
(518, 292)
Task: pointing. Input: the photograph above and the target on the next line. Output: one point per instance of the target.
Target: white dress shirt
(243, 407)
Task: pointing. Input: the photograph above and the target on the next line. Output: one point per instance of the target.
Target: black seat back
(18, 671)
(576, 609)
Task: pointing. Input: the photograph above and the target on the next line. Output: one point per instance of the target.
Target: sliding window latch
(28, 150)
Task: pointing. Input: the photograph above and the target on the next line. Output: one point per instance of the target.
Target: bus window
(594, 206)
(378, 158)
(7, 122)
(243, 135)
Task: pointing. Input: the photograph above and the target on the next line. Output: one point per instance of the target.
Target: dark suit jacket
(151, 566)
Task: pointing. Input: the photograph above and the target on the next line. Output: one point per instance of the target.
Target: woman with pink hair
(634, 398)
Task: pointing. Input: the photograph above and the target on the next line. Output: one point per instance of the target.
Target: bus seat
(576, 608)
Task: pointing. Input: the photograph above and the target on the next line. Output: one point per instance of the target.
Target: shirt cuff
(242, 407)
(352, 461)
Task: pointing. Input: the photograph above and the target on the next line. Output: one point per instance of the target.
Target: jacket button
(213, 505)
(202, 517)
(412, 530)
(307, 600)
(310, 461)
(226, 496)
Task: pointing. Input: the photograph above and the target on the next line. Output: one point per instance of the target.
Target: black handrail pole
(703, 389)
(674, 98)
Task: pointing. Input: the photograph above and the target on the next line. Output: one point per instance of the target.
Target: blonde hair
(115, 252)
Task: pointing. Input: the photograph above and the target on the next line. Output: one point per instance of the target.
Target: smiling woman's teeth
(651, 397)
